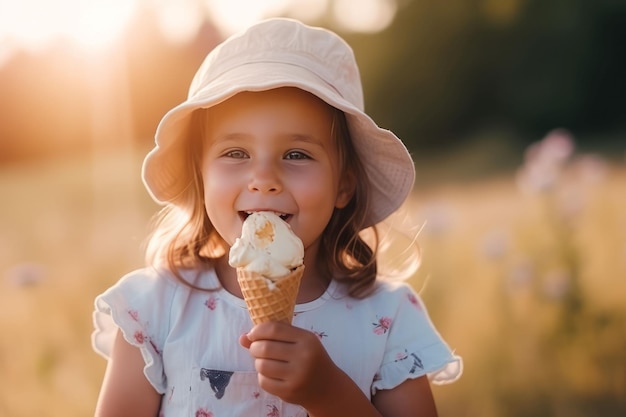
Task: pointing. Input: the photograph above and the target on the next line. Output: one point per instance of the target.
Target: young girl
(274, 121)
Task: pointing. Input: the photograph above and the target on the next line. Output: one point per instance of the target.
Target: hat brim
(389, 167)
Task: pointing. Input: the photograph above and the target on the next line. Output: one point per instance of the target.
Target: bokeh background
(514, 113)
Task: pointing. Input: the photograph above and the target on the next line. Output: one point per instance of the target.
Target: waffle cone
(270, 304)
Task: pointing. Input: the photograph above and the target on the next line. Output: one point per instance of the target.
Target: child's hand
(291, 362)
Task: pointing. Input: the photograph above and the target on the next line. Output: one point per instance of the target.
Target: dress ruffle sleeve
(414, 347)
(139, 305)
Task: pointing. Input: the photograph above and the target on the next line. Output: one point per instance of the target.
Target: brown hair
(184, 238)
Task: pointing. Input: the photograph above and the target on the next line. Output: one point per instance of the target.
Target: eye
(296, 155)
(236, 154)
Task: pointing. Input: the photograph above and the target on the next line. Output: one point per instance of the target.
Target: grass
(529, 288)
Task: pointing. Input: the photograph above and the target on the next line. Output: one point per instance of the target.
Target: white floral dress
(189, 341)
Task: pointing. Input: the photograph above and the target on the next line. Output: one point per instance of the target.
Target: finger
(279, 379)
(273, 369)
(272, 385)
(271, 349)
(274, 331)
(245, 341)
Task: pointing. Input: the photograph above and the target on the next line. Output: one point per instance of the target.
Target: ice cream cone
(269, 301)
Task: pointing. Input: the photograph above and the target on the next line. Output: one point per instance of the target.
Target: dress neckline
(210, 278)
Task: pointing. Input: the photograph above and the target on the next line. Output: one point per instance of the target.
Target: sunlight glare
(307, 10)
(234, 15)
(180, 20)
(102, 21)
(5, 53)
(26, 24)
(364, 15)
(33, 24)
(94, 24)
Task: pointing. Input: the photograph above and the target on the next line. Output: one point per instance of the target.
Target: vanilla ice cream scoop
(267, 246)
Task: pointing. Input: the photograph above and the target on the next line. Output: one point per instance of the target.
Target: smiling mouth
(284, 216)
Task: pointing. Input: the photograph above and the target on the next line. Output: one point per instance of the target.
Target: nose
(265, 178)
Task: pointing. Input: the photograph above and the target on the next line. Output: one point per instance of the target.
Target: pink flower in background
(557, 147)
(495, 244)
(556, 284)
(521, 275)
(438, 218)
(591, 169)
(544, 161)
(26, 274)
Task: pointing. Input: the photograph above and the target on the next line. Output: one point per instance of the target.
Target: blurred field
(529, 287)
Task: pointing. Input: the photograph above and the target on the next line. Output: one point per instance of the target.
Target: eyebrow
(305, 138)
(296, 137)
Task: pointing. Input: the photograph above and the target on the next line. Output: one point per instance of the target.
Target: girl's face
(273, 151)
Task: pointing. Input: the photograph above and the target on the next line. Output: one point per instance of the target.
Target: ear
(347, 187)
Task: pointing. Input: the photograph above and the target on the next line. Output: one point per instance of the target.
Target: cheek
(316, 194)
(220, 193)
(217, 180)
(218, 190)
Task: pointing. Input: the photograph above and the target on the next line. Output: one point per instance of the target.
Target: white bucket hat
(283, 53)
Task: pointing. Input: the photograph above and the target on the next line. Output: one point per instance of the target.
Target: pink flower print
(203, 412)
(256, 394)
(384, 323)
(415, 363)
(211, 303)
(140, 337)
(134, 314)
(272, 411)
(320, 335)
(413, 300)
(349, 305)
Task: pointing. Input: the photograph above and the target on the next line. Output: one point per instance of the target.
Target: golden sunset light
(34, 23)
(94, 24)
(513, 232)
